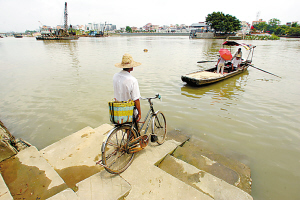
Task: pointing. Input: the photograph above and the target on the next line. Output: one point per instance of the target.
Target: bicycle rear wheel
(115, 156)
(159, 127)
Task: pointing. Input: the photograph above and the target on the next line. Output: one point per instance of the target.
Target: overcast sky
(21, 15)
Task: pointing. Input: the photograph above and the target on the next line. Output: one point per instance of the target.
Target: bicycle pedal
(154, 138)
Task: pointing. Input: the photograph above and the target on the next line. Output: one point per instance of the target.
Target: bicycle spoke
(115, 156)
(112, 144)
(115, 159)
(111, 154)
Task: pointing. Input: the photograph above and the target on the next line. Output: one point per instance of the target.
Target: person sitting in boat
(236, 62)
(220, 65)
(239, 52)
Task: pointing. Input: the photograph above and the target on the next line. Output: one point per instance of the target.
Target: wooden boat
(209, 76)
(18, 36)
(205, 77)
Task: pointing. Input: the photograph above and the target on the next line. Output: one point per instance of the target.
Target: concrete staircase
(66, 170)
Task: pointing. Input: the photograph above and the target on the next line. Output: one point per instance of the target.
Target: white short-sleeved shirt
(236, 62)
(125, 86)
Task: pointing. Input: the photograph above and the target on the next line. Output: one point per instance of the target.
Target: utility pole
(66, 18)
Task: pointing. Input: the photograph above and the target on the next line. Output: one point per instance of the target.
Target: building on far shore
(245, 28)
(200, 27)
(257, 22)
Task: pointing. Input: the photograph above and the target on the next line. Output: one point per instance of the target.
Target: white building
(200, 27)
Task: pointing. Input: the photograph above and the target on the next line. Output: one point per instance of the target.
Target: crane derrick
(66, 18)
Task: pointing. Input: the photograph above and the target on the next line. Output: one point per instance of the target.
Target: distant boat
(18, 36)
(61, 34)
(42, 37)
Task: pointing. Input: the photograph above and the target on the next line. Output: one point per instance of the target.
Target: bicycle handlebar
(156, 96)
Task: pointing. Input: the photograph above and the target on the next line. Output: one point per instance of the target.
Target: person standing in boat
(220, 65)
(236, 62)
(239, 52)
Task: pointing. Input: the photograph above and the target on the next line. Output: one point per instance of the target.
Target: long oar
(264, 71)
(204, 61)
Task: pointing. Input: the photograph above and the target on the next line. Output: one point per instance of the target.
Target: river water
(50, 89)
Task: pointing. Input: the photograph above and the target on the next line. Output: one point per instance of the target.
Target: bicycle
(124, 140)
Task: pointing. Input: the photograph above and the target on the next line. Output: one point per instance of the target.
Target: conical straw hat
(127, 62)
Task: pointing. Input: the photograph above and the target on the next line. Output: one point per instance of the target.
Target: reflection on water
(50, 89)
(67, 48)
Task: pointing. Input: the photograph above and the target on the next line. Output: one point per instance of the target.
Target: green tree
(274, 22)
(295, 24)
(128, 29)
(262, 26)
(294, 31)
(223, 23)
(281, 30)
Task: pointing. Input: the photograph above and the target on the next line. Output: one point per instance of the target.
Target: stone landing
(66, 170)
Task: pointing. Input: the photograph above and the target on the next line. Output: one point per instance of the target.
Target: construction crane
(66, 18)
(41, 24)
(257, 15)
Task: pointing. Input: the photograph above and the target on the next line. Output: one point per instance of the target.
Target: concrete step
(74, 156)
(29, 176)
(4, 191)
(103, 186)
(67, 194)
(202, 181)
(150, 182)
(233, 172)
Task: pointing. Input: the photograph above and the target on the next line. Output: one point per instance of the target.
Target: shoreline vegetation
(261, 37)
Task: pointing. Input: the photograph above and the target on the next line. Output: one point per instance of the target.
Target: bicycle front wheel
(115, 156)
(159, 127)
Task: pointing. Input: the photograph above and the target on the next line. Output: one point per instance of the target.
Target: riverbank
(67, 170)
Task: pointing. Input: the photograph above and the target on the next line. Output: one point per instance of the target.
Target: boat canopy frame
(246, 46)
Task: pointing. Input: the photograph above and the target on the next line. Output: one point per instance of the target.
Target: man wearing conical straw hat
(125, 85)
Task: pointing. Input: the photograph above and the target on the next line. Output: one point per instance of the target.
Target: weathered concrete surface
(203, 181)
(67, 194)
(150, 182)
(230, 170)
(178, 136)
(4, 191)
(29, 176)
(9, 146)
(6, 149)
(74, 157)
(103, 186)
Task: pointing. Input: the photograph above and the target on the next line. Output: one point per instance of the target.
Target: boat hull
(57, 38)
(192, 80)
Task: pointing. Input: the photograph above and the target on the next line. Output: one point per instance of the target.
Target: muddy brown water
(50, 89)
